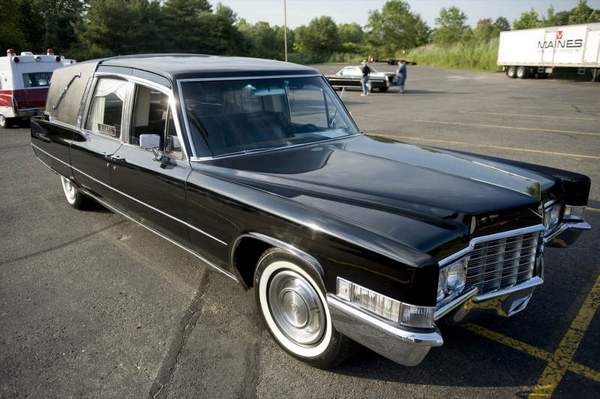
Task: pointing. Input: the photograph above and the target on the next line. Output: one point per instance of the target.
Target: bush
(470, 55)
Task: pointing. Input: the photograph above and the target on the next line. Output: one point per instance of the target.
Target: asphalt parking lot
(92, 305)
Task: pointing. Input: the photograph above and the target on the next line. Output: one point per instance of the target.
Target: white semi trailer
(539, 52)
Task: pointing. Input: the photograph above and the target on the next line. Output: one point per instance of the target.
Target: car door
(100, 137)
(153, 189)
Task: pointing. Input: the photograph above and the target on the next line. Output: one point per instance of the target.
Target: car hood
(421, 196)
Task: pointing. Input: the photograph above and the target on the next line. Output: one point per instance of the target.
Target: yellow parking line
(531, 115)
(592, 209)
(508, 341)
(534, 129)
(563, 355)
(497, 147)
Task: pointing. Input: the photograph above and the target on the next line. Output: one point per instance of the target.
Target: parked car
(24, 81)
(350, 76)
(256, 168)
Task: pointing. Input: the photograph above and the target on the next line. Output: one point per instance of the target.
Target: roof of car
(181, 66)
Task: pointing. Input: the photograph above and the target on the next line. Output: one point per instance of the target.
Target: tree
(502, 24)
(452, 26)
(528, 19)
(351, 33)
(263, 40)
(11, 33)
(485, 30)
(582, 14)
(395, 28)
(319, 39)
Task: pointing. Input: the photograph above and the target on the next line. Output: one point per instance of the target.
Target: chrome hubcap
(296, 308)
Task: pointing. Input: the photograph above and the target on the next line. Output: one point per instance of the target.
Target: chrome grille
(502, 263)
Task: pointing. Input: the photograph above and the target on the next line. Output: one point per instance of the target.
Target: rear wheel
(522, 72)
(511, 72)
(72, 194)
(294, 308)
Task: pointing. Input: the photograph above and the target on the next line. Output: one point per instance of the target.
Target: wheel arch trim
(291, 249)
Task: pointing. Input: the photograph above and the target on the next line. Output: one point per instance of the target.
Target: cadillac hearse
(256, 168)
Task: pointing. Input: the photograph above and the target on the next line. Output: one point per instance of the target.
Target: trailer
(24, 81)
(544, 51)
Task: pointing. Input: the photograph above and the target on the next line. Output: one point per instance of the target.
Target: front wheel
(72, 194)
(294, 307)
(4, 122)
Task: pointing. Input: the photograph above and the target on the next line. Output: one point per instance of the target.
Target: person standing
(364, 81)
(401, 75)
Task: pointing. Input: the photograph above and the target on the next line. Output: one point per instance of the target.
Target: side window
(106, 109)
(152, 115)
(307, 106)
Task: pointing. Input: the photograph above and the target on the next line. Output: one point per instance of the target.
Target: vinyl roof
(180, 66)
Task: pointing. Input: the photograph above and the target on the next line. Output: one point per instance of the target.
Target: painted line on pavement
(562, 357)
(497, 147)
(531, 115)
(592, 209)
(533, 129)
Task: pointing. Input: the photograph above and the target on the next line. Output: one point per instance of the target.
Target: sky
(300, 12)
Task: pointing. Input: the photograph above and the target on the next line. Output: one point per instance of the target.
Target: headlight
(552, 216)
(386, 307)
(452, 279)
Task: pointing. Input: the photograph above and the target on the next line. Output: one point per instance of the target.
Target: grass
(473, 56)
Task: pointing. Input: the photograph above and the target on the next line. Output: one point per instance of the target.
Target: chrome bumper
(566, 234)
(405, 347)
(506, 302)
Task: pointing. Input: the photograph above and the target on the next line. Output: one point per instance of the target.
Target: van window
(152, 115)
(37, 79)
(106, 109)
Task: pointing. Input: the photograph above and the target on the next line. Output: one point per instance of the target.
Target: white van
(24, 81)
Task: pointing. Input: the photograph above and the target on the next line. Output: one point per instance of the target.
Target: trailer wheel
(522, 72)
(511, 72)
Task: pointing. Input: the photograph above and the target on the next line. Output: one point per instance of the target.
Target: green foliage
(502, 24)
(85, 29)
(475, 56)
(485, 30)
(452, 26)
(395, 28)
(527, 20)
(318, 39)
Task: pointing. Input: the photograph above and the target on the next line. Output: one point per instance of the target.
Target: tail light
(50, 51)
(10, 52)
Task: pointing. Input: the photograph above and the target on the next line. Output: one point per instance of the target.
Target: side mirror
(150, 141)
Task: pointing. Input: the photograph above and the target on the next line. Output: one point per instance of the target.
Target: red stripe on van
(25, 98)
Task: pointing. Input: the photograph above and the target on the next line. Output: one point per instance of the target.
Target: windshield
(234, 116)
(37, 79)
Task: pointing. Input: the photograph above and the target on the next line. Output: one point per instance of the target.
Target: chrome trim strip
(477, 240)
(412, 337)
(237, 154)
(533, 282)
(192, 252)
(279, 244)
(582, 225)
(249, 77)
(135, 199)
(450, 306)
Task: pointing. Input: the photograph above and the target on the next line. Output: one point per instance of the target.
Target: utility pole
(285, 44)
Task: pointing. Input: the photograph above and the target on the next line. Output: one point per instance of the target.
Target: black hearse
(257, 168)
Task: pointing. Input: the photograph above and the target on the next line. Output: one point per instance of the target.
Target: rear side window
(106, 109)
(37, 79)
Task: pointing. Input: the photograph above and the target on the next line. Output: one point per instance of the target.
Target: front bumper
(567, 233)
(402, 346)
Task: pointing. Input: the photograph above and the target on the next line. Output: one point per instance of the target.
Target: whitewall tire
(72, 194)
(292, 302)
